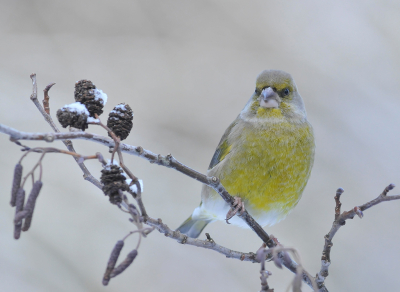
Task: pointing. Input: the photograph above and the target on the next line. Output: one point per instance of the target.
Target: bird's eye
(257, 91)
(286, 91)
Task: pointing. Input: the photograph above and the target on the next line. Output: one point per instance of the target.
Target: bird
(264, 158)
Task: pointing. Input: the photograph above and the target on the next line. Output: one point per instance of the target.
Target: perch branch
(209, 243)
(167, 161)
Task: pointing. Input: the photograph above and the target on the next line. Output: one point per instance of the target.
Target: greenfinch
(264, 158)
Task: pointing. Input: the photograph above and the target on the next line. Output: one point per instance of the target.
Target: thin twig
(31, 173)
(261, 257)
(143, 231)
(138, 196)
(134, 179)
(46, 104)
(208, 244)
(49, 138)
(340, 220)
(339, 192)
(116, 139)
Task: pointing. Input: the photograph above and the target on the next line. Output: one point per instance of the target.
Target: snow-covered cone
(113, 180)
(94, 99)
(120, 120)
(74, 115)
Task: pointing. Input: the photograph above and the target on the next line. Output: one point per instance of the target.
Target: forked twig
(49, 138)
(340, 220)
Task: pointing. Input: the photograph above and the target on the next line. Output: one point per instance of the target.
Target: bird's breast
(269, 167)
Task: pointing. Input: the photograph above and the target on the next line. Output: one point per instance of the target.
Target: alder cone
(84, 93)
(120, 120)
(72, 118)
(113, 180)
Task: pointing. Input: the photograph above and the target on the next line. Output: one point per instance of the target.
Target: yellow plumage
(265, 157)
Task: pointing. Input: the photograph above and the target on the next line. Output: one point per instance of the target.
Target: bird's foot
(238, 205)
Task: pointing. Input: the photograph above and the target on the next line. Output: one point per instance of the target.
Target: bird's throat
(269, 113)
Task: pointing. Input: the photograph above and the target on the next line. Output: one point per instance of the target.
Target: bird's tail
(193, 227)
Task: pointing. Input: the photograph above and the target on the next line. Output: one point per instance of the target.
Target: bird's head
(275, 97)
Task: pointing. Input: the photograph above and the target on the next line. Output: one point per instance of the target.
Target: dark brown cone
(120, 120)
(72, 118)
(113, 180)
(84, 93)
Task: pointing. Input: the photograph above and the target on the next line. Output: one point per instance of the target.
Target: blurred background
(187, 68)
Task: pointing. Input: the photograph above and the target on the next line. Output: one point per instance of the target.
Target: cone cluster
(89, 103)
(113, 180)
(120, 120)
(85, 94)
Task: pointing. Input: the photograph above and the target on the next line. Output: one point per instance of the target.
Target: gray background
(187, 68)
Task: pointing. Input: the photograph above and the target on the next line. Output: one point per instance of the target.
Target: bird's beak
(269, 98)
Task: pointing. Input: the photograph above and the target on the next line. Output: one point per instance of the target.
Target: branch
(167, 161)
(278, 253)
(261, 257)
(86, 174)
(340, 220)
(209, 243)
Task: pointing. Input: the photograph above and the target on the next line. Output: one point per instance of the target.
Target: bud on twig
(387, 190)
(358, 211)
(30, 204)
(16, 183)
(112, 261)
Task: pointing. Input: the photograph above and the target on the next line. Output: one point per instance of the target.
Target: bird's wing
(223, 147)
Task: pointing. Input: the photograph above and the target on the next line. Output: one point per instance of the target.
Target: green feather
(223, 148)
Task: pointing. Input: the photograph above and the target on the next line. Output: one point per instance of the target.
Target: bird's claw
(239, 205)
